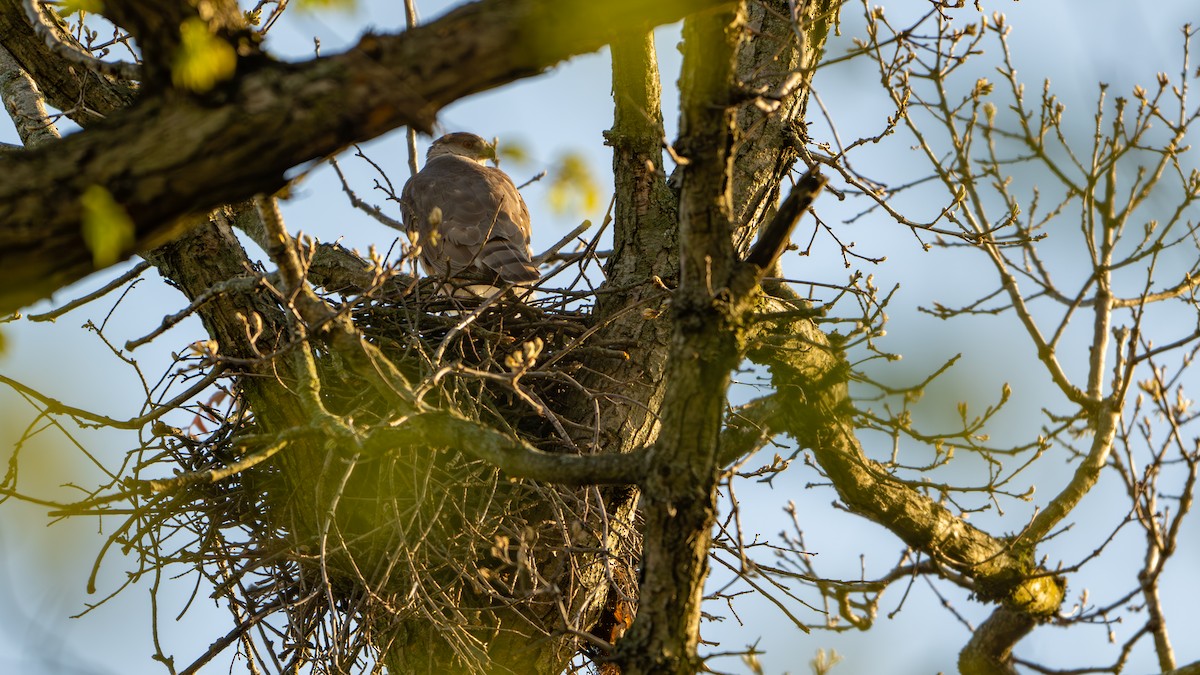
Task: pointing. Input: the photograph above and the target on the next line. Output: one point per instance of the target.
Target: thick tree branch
(23, 102)
(679, 502)
(774, 70)
(750, 428)
(645, 220)
(812, 405)
(174, 156)
(206, 257)
(440, 428)
(645, 248)
(989, 651)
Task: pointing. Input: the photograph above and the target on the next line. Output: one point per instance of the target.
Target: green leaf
(325, 4)
(203, 59)
(108, 230)
(515, 151)
(69, 7)
(572, 185)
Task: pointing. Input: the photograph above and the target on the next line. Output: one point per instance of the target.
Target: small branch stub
(776, 235)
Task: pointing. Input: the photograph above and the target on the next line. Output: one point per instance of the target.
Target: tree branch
(645, 208)
(56, 407)
(48, 26)
(645, 248)
(83, 95)
(778, 233)
(989, 651)
(679, 486)
(440, 428)
(773, 73)
(24, 103)
(174, 156)
(812, 405)
(751, 427)
(1105, 421)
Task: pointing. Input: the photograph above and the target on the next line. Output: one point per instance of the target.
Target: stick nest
(420, 559)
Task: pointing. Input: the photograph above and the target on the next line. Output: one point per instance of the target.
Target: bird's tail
(509, 263)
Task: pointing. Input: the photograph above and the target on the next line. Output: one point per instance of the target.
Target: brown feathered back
(468, 218)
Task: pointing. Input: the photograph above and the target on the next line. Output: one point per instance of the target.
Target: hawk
(468, 218)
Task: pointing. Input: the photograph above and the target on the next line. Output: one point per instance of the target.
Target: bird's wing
(484, 223)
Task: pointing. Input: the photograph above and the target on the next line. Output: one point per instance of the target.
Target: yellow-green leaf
(203, 59)
(572, 184)
(325, 4)
(69, 7)
(108, 230)
(515, 151)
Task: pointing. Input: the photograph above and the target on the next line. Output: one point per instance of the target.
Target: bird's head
(465, 145)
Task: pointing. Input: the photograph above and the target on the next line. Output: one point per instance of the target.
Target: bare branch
(61, 44)
(83, 95)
